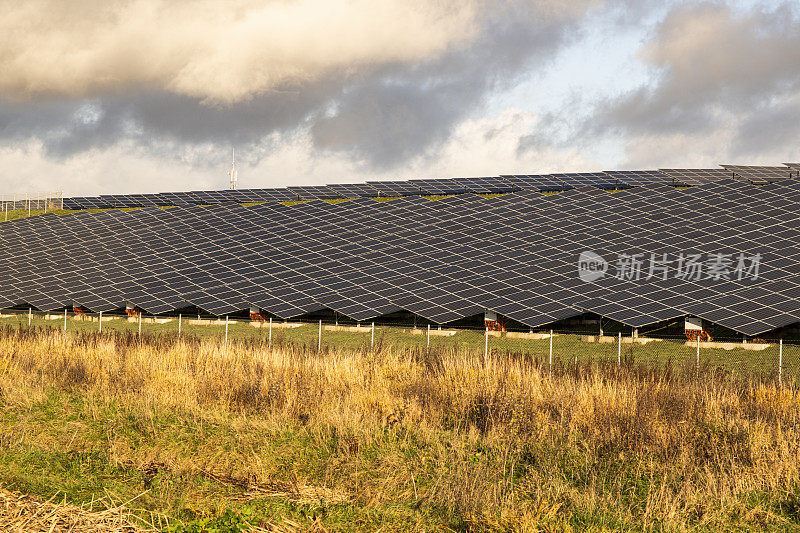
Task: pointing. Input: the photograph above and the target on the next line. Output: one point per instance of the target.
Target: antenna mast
(233, 175)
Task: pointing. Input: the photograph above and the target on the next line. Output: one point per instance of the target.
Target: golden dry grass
(20, 512)
(439, 440)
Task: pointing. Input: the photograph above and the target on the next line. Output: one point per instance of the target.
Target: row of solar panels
(443, 260)
(614, 179)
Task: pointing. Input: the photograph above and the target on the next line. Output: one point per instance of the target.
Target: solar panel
(638, 178)
(582, 179)
(395, 188)
(433, 187)
(686, 177)
(761, 174)
(486, 185)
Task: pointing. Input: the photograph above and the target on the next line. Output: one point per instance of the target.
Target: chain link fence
(774, 360)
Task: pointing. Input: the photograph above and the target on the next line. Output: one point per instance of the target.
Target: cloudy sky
(99, 97)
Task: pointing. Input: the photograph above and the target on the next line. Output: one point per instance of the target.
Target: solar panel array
(612, 179)
(443, 260)
(762, 174)
(689, 177)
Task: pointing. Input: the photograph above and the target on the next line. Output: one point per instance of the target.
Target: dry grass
(22, 513)
(444, 439)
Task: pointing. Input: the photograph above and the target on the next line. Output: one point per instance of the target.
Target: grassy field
(568, 349)
(189, 434)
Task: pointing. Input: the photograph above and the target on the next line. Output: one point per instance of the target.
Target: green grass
(45, 466)
(42, 460)
(478, 445)
(568, 349)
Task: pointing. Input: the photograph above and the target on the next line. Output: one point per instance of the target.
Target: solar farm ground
(23, 213)
(568, 349)
(196, 437)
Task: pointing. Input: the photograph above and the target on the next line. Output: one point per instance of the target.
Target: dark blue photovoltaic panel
(689, 177)
(444, 260)
(639, 178)
(546, 183)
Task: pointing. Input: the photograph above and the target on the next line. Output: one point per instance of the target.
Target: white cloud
(487, 146)
(221, 52)
(725, 89)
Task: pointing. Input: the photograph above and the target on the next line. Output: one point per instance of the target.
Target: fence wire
(775, 360)
(42, 201)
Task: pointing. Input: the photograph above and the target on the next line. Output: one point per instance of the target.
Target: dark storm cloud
(401, 113)
(154, 117)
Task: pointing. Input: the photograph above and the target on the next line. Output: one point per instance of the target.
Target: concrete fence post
(226, 330)
(780, 362)
(428, 340)
(486, 345)
(269, 339)
(30, 312)
(100, 322)
(180, 323)
(65, 320)
(372, 339)
(697, 362)
(550, 358)
(140, 324)
(319, 339)
(619, 349)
